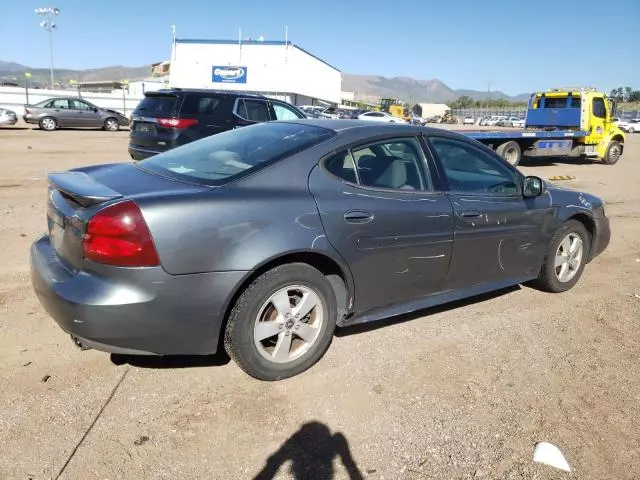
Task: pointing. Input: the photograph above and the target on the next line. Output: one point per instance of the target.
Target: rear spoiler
(82, 188)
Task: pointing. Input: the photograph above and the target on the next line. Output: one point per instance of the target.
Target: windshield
(223, 157)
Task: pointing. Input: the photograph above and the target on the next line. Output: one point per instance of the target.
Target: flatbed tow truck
(569, 122)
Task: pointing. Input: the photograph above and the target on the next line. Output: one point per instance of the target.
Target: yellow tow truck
(573, 122)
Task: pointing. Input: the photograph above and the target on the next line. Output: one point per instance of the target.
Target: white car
(630, 127)
(507, 122)
(468, 121)
(380, 117)
(493, 121)
(519, 123)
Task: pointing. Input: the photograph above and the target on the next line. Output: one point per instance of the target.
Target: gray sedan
(266, 238)
(72, 112)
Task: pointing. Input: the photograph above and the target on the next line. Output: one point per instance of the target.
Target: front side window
(220, 158)
(80, 105)
(392, 164)
(472, 170)
(253, 110)
(283, 112)
(599, 109)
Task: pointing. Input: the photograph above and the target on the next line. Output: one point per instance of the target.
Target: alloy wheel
(568, 257)
(288, 324)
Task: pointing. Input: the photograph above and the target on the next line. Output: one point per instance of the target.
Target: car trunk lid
(76, 196)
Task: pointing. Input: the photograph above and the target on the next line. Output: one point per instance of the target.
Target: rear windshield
(220, 158)
(157, 104)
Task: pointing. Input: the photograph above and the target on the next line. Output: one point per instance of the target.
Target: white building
(274, 68)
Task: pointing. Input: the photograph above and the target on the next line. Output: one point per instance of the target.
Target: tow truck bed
(516, 134)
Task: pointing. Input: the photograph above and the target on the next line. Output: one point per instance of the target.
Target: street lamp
(49, 24)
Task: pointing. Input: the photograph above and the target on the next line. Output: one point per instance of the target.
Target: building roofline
(254, 42)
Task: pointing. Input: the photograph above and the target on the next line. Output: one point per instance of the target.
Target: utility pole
(488, 92)
(49, 24)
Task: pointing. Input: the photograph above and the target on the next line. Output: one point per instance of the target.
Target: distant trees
(467, 102)
(626, 94)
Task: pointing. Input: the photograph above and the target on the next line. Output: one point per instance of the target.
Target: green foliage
(468, 102)
(626, 94)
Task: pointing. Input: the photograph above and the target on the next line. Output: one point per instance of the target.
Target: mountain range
(365, 87)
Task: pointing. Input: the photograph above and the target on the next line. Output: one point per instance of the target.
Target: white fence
(15, 98)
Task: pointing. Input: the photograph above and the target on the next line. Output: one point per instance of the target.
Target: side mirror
(533, 187)
(95, 110)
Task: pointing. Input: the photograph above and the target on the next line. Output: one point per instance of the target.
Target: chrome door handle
(470, 214)
(358, 216)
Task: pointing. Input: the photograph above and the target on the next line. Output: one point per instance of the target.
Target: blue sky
(519, 46)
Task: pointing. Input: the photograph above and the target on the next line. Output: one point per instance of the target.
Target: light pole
(49, 24)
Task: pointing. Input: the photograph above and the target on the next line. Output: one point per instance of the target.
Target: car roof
(204, 91)
(372, 128)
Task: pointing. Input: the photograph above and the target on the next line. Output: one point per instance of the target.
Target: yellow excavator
(395, 107)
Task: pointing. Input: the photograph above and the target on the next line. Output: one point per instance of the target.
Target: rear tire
(510, 152)
(612, 155)
(264, 319)
(48, 124)
(631, 130)
(562, 267)
(111, 125)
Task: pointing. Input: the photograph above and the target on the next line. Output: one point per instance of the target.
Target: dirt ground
(463, 391)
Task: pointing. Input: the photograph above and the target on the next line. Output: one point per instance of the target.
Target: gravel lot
(463, 391)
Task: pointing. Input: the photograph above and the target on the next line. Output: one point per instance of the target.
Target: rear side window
(223, 157)
(157, 104)
(393, 164)
(197, 104)
(254, 110)
(61, 103)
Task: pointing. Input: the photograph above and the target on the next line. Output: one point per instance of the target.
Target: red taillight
(119, 236)
(177, 122)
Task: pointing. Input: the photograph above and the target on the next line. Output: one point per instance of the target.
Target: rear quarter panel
(239, 226)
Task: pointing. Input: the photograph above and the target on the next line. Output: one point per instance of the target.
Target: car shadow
(171, 361)
(311, 452)
(367, 327)
(551, 161)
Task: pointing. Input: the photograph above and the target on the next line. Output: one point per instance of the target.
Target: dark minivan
(166, 119)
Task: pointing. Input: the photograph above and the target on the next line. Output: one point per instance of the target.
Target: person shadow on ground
(311, 451)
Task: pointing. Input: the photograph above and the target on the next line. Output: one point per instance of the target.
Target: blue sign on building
(227, 74)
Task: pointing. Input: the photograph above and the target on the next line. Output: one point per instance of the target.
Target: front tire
(566, 258)
(631, 130)
(283, 323)
(612, 155)
(111, 125)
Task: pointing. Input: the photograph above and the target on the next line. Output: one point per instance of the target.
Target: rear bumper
(140, 153)
(30, 119)
(133, 310)
(601, 237)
